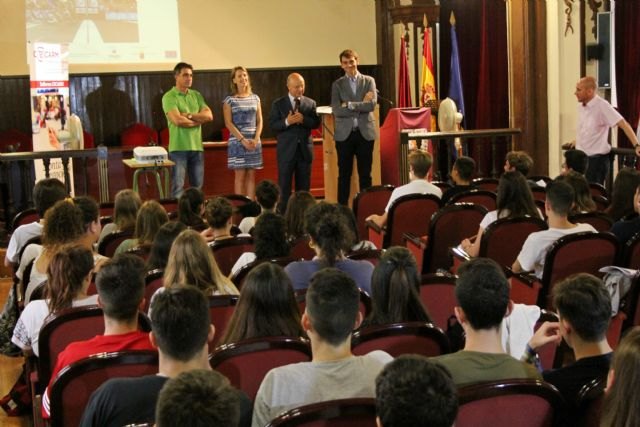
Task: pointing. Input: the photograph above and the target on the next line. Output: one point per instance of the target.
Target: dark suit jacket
(363, 111)
(290, 136)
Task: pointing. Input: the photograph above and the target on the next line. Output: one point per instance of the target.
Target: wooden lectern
(330, 159)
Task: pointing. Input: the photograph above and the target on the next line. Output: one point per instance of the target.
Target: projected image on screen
(107, 31)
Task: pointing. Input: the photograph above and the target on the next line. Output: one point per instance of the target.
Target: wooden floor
(10, 368)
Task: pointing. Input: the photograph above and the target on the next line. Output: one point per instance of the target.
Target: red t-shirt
(137, 340)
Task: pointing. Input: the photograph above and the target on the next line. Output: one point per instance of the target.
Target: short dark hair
(46, 193)
(576, 160)
(521, 161)
(198, 398)
(583, 300)
(466, 167)
(413, 391)
(161, 246)
(180, 321)
(190, 204)
(180, 66)
(348, 53)
(420, 162)
(330, 232)
(482, 291)
(90, 210)
(120, 284)
(332, 305)
(218, 211)
(270, 236)
(560, 196)
(267, 193)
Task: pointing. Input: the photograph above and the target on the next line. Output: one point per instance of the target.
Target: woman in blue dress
(243, 118)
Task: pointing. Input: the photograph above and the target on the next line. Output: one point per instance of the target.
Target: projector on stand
(150, 155)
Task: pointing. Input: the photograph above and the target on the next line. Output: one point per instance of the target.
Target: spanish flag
(428, 86)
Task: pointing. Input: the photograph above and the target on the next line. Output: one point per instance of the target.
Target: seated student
(45, 194)
(159, 253)
(120, 284)
(582, 200)
(270, 239)
(125, 211)
(622, 196)
(297, 207)
(584, 308)
(334, 373)
(218, 213)
(461, 174)
(331, 239)
(419, 165)
(575, 160)
(267, 195)
(482, 291)
(181, 332)
(191, 208)
(350, 220)
(557, 206)
(625, 230)
(395, 290)
(411, 391)
(151, 217)
(199, 398)
(522, 162)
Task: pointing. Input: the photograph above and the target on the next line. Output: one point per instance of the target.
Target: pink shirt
(594, 121)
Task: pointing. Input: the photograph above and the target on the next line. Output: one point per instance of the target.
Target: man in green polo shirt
(186, 110)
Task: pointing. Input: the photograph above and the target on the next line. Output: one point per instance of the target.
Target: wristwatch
(189, 116)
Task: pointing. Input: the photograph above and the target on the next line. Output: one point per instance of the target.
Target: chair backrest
(522, 403)
(143, 251)
(246, 363)
(449, 226)
(67, 326)
(539, 193)
(111, 241)
(597, 189)
(356, 412)
(631, 253)
(364, 306)
(24, 217)
(590, 400)
(409, 214)
(221, 308)
(502, 240)
(138, 135)
(484, 198)
(170, 205)
(34, 240)
(438, 295)
(237, 200)
(601, 202)
(599, 220)
(401, 338)
(300, 249)
(72, 388)
(227, 251)
(238, 278)
(371, 255)
(370, 201)
(153, 282)
(576, 253)
(442, 185)
(107, 208)
(490, 184)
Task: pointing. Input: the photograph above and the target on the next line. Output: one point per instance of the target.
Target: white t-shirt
(594, 121)
(417, 186)
(245, 259)
(20, 236)
(492, 217)
(247, 224)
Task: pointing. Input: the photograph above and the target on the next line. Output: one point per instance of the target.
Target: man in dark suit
(292, 117)
(353, 99)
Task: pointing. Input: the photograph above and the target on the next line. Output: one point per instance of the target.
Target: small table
(155, 168)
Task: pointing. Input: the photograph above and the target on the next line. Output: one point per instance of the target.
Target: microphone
(297, 105)
(390, 102)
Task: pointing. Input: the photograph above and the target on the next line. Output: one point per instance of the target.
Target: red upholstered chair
(408, 214)
(590, 400)
(169, 205)
(153, 282)
(449, 226)
(444, 186)
(221, 308)
(111, 241)
(300, 249)
(15, 140)
(631, 253)
(238, 278)
(356, 412)
(490, 184)
(142, 251)
(138, 135)
(73, 386)
(522, 403)
(246, 363)
(438, 295)
(598, 190)
(107, 208)
(599, 220)
(227, 251)
(549, 355)
(484, 198)
(631, 305)
(614, 332)
(237, 200)
(370, 201)
(601, 202)
(539, 193)
(401, 338)
(371, 255)
(164, 137)
(24, 217)
(365, 302)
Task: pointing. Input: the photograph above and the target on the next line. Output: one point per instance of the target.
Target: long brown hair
(232, 85)
(125, 209)
(515, 197)
(151, 217)
(66, 275)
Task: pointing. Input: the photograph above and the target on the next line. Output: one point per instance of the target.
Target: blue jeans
(191, 162)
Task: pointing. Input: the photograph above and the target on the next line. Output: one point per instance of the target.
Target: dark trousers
(598, 168)
(354, 145)
(298, 167)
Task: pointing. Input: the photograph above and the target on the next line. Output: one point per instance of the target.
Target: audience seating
(536, 178)
(522, 403)
(408, 214)
(138, 135)
(111, 241)
(599, 220)
(238, 278)
(590, 400)
(539, 193)
(73, 386)
(371, 255)
(221, 308)
(153, 281)
(24, 217)
(170, 205)
(490, 184)
(365, 302)
(598, 190)
(246, 363)
(448, 227)
(550, 357)
(107, 208)
(614, 332)
(438, 295)
(442, 185)
(370, 201)
(401, 338)
(631, 305)
(355, 412)
(227, 251)
(631, 253)
(601, 202)
(300, 249)
(484, 198)
(142, 251)
(24, 283)
(237, 200)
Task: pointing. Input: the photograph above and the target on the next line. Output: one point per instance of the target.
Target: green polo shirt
(184, 139)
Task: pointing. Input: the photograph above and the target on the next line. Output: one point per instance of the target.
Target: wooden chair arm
(419, 241)
(375, 227)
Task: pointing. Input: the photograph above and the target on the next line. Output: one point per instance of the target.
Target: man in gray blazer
(353, 99)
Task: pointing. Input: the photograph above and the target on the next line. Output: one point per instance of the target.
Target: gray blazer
(363, 111)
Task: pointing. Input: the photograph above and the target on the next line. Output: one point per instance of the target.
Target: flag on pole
(428, 86)
(455, 82)
(404, 85)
